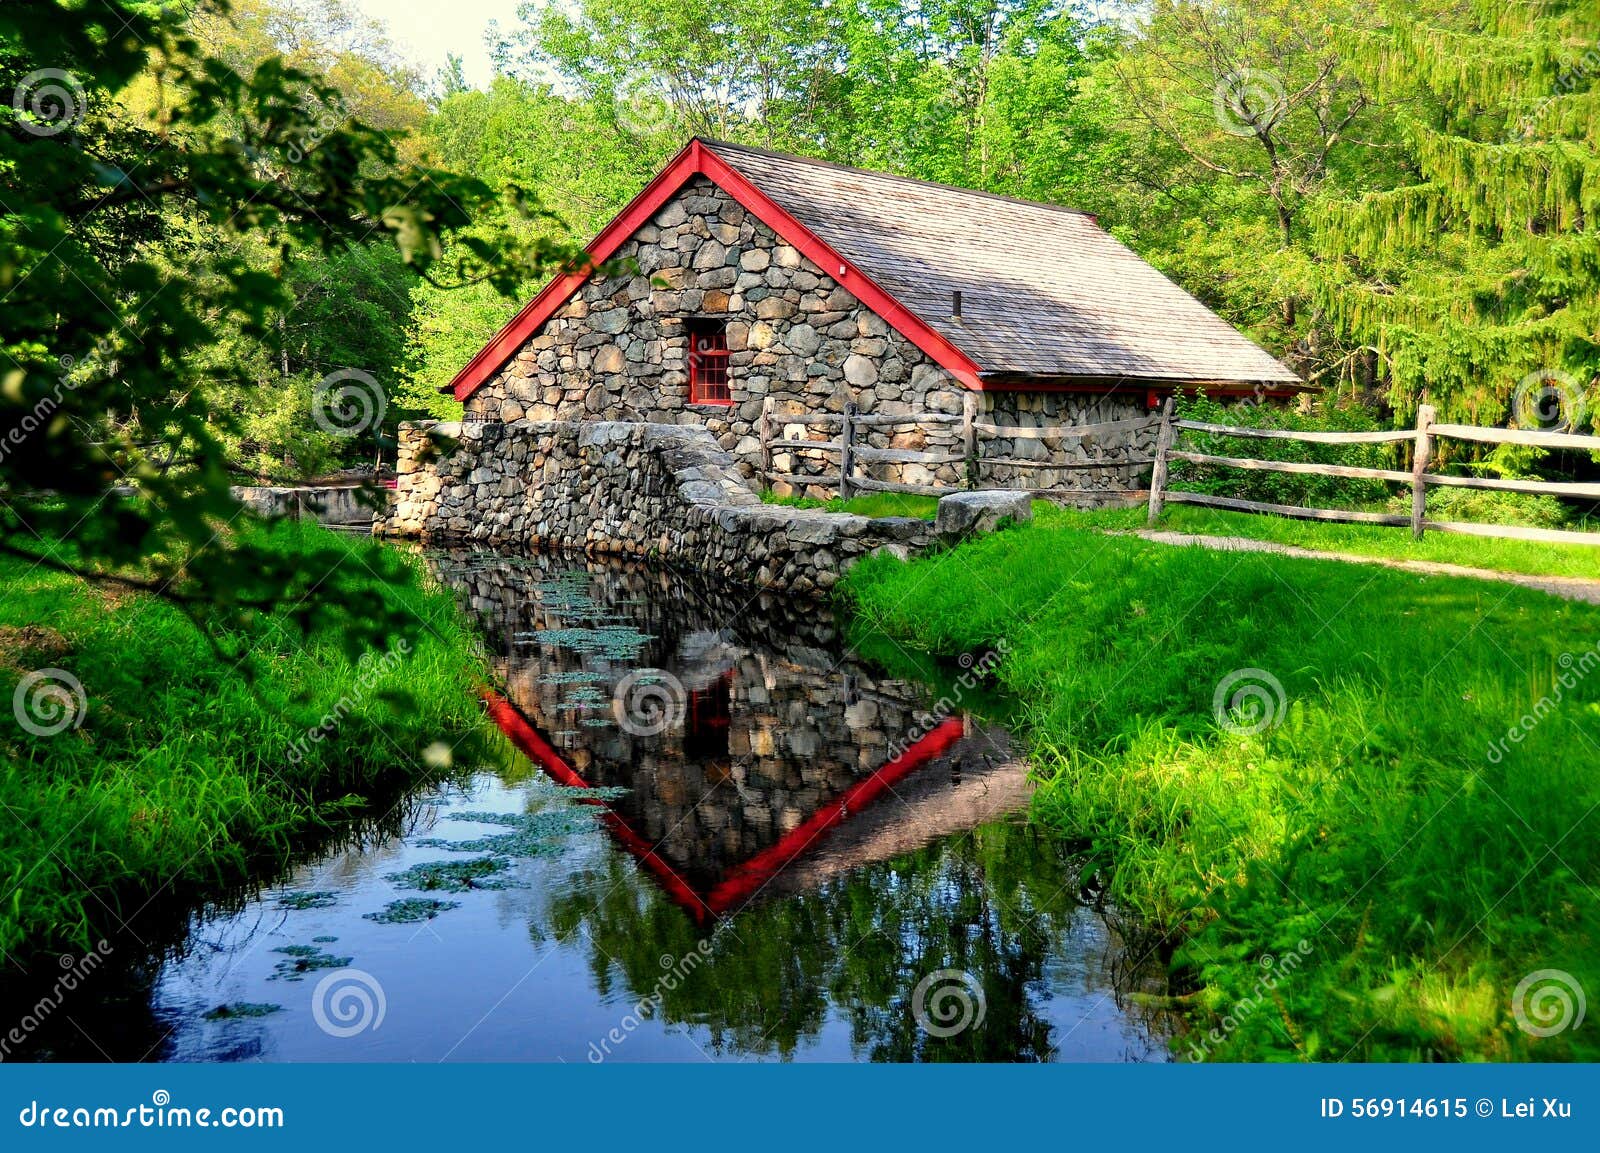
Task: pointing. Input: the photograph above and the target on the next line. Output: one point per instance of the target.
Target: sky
(426, 31)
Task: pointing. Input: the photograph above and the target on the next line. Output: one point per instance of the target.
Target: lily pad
(238, 1009)
(410, 910)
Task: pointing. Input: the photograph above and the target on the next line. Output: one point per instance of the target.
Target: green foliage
(184, 774)
(1327, 414)
(1486, 507)
(234, 177)
(1384, 818)
(1476, 264)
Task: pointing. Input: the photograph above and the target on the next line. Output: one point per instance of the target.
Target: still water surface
(706, 859)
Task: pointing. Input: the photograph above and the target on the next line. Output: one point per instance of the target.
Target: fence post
(847, 439)
(765, 426)
(1158, 474)
(1419, 467)
(969, 436)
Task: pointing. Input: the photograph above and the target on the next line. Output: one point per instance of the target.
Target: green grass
(869, 504)
(1425, 873)
(182, 776)
(1513, 556)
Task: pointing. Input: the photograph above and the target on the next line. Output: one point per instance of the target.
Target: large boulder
(965, 513)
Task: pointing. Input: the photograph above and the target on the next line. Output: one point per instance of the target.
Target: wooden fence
(973, 433)
(1423, 438)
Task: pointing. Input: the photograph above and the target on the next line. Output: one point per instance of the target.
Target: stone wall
(619, 351)
(647, 490)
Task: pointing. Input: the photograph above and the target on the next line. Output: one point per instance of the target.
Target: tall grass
(183, 773)
(1425, 873)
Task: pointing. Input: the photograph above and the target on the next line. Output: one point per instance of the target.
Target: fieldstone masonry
(648, 490)
(619, 351)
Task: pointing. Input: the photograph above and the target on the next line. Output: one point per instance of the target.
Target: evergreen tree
(1477, 276)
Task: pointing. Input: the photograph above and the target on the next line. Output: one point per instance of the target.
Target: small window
(708, 363)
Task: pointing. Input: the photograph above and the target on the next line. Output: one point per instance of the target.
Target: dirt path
(1571, 588)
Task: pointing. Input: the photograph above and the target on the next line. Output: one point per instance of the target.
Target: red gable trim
(697, 159)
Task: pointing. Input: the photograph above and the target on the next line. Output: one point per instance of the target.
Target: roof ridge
(709, 142)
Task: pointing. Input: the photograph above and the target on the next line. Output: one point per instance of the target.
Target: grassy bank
(868, 504)
(1371, 874)
(179, 774)
(1391, 542)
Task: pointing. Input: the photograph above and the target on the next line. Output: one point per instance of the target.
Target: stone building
(742, 281)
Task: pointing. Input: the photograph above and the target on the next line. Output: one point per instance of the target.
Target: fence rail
(974, 434)
(1423, 437)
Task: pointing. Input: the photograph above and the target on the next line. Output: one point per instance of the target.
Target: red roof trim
(698, 159)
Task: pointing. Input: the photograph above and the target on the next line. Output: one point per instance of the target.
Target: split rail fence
(848, 480)
(1424, 438)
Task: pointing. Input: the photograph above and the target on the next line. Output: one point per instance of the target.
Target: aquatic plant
(454, 876)
(410, 910)
(303, 959)
(307, 900)
(237, 1009)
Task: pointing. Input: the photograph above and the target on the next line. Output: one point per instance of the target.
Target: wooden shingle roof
(1045, 292)
(1047, 297)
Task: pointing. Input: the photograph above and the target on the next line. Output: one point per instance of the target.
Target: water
(697, 853)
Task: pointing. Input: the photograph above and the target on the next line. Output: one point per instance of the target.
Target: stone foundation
(665, 492)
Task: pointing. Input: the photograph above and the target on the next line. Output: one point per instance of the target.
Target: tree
(109, 393)
(1476, 272)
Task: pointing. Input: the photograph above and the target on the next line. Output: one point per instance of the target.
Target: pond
(718, 834)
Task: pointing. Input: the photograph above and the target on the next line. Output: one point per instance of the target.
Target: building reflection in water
(774, 747)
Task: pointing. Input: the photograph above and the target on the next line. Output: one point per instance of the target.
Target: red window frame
(708, 363)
